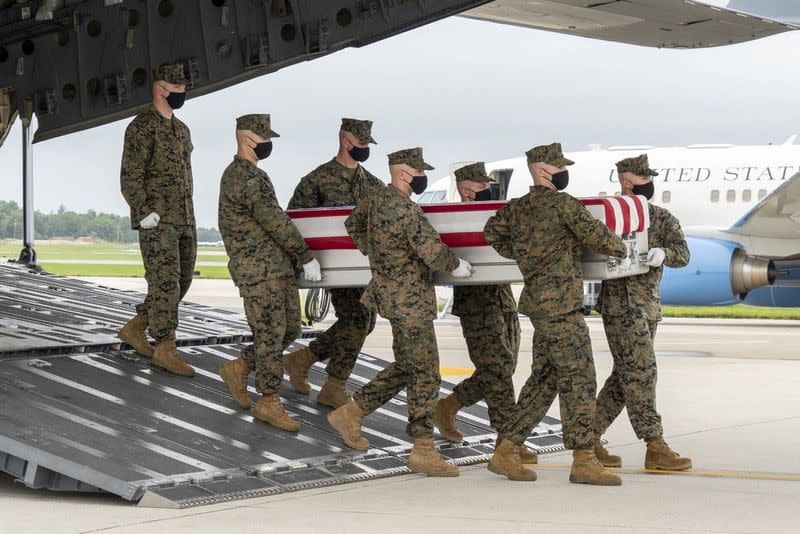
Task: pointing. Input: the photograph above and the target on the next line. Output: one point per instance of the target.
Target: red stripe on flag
(625, 209)
(640, 212)
(330, 243)
(611, 219)
(464, 239)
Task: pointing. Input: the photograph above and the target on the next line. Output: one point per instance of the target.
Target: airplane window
(747, 195)
(425, 198)
(438, 196)
(730, 196)
(762, 193)
(602, 194)
(715, 195)
(666, 196)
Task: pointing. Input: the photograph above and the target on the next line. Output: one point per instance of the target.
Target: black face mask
(263, 150)
(486, 194)
(359, 154)
(176, 100)
(560, 179)
(419, 184)
(646, 190)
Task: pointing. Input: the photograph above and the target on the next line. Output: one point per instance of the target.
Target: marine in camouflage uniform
(342, 181)
(404, 251)
(156, 181)
(490, 323)
(544, 231)
(631, 310)
(264, 246)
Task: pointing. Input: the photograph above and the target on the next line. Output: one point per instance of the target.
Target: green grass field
(86, 259)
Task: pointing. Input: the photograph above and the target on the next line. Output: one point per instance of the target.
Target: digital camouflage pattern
(262, 242)
(493, 339)
(639, 295)
(415, 368)
(156, 176)
(362, 129)
(631, 309)
(273, 313)
(174, 73)
(409, 156)
(264, 247)
(258, 123)
(550, 154)
(638, 165)
(168, 252)
(404, 251)
(474, 172)
(330, 185)
(156, 173)
(543, 232)
(632, 382)
(562, 364)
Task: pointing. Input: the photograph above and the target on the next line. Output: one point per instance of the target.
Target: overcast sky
(461, 89)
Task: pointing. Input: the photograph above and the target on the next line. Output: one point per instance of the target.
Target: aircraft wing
(772, 228)
(658, 23)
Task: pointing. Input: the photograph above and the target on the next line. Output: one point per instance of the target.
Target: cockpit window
(438, 196)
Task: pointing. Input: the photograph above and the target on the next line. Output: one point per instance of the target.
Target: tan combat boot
(166, 356)
(444, 416)
(346, 420)
(505, 461)
(270, 410)
(234, 373)
(604, 457)
(660, 456)
(334, 393)
(587, 470)
(424, 458)
(526, 455)
(296, 365)
(133, 333)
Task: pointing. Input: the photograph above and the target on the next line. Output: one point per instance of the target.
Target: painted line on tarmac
(794, 477)
(456, 371)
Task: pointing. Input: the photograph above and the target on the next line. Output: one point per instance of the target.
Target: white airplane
(739, 207)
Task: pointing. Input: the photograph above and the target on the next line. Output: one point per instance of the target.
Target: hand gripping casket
(460, 226)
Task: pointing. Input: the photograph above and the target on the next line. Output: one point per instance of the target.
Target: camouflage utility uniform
(544, 231)
(264, 247)
(156, 177)
(631, 309)
(490, 324)
(404, 251)
(330, 185)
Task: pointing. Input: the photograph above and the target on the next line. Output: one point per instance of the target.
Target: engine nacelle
(719, 273)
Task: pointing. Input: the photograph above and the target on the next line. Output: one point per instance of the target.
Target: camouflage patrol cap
(410, 156)
(638, 166)
(173, 73)
(550, 154)
(474, 172)
(258, 123)
(360, 128)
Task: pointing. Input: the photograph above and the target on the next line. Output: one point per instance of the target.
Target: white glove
(625, 264)
(656, 257)
(464, 269)
(151, 221)
(312, 271)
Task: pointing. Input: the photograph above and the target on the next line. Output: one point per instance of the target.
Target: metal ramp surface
(103, 419)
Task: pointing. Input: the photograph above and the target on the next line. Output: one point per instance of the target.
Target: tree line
(69, 224)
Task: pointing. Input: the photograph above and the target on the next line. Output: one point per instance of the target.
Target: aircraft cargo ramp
(81, 412)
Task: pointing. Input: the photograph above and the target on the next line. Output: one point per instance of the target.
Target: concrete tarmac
(729, 394)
